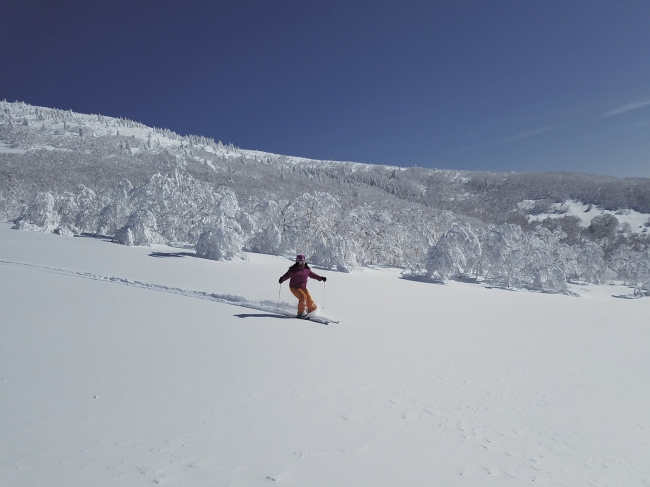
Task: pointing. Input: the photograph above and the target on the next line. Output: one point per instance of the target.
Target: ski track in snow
(285, 309)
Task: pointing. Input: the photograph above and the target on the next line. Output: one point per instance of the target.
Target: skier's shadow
(261, 315)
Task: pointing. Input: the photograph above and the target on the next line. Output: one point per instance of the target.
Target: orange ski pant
(304, 300)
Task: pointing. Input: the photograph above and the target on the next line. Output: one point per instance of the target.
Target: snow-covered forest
(70, 173)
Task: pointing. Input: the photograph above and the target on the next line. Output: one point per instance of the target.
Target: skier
(299, 273)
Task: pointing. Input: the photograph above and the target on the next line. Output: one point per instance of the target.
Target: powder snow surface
(113, 373)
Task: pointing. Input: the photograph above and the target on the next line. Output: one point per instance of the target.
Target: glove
(324, 279)
(280, 280)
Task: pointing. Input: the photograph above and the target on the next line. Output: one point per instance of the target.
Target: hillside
(72, 173)
(48, 149)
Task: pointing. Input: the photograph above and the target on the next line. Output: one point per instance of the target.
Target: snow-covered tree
(504, 254)
(549, 260)
(114, 215)
(223, 240)
(591, 266)
(40, 214)
(603, 226)
(535, 260)
(67, 208)
(140, 229)
(335, 252)
(182, 205)
(457, 252)
(88, 205)
(632, 265)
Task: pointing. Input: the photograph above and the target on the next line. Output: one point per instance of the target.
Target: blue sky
(478, 85)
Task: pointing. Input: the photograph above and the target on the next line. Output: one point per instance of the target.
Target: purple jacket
(299, 276)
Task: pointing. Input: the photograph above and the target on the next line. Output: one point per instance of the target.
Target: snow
(10, 149)
(100, 125)
(49, 148)
(586, 213)
(133, 380)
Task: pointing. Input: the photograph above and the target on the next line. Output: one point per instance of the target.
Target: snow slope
(109, 383)
(68, 123)
(586, 213)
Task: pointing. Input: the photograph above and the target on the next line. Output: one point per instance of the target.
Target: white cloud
(626, 108)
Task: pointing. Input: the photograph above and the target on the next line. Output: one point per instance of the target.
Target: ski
(316, 319)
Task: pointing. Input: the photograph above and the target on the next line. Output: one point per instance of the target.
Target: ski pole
(323, 295)
(279, 291)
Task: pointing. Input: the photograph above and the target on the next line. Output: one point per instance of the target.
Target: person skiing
(299, 273)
